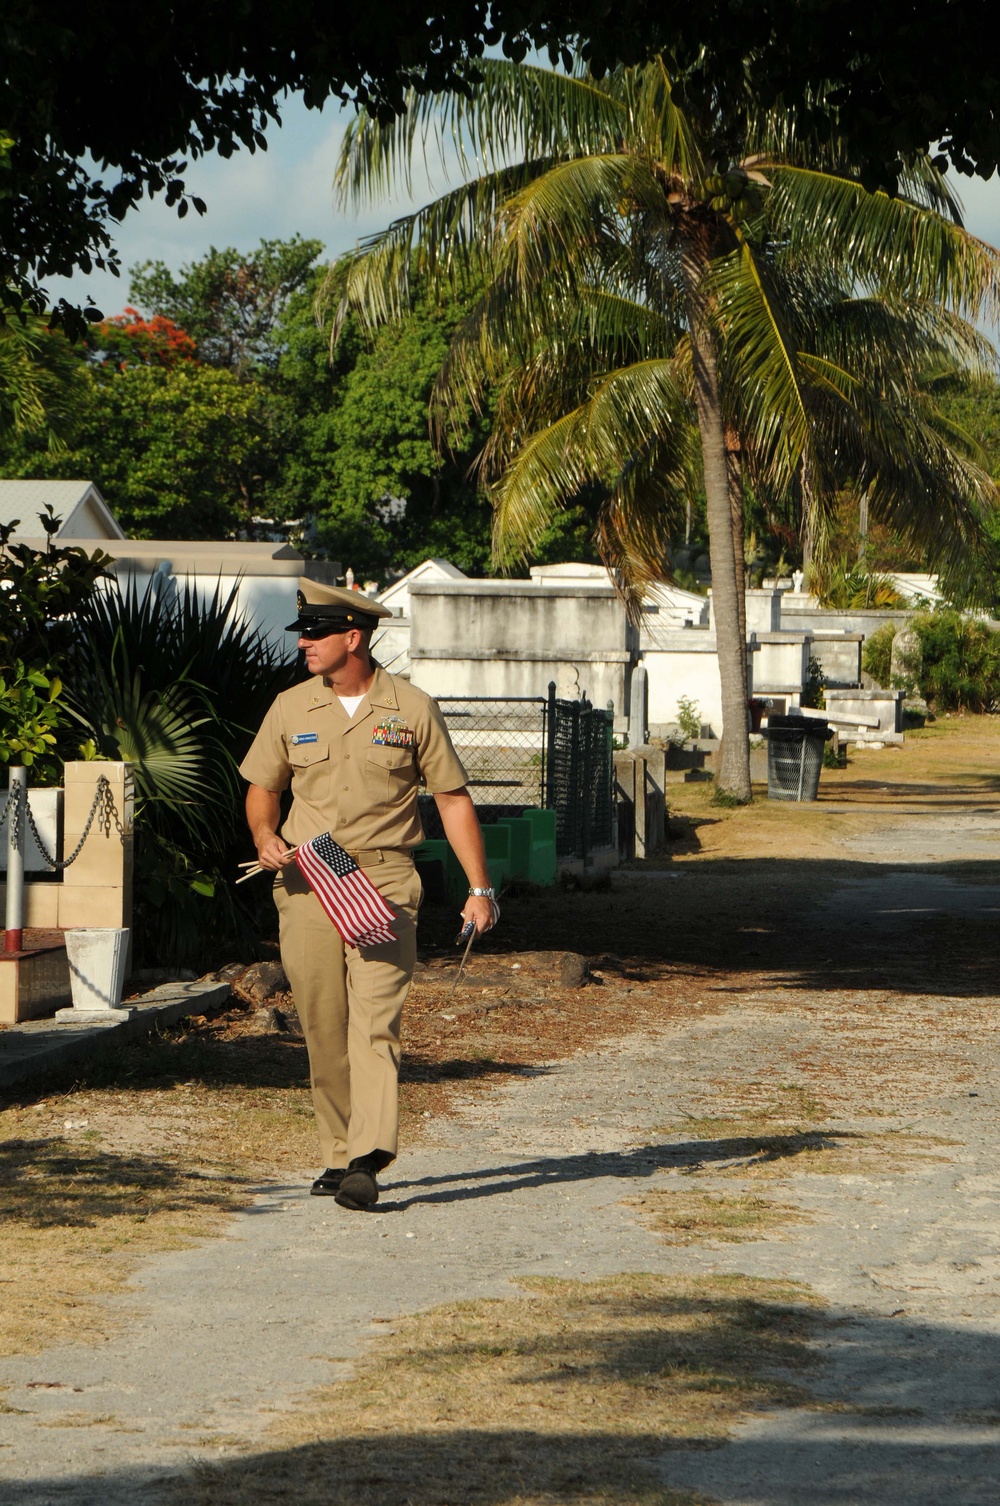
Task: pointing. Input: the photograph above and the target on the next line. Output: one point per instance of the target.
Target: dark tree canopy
(102, 102)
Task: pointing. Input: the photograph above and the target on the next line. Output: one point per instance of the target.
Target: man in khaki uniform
(355, 743)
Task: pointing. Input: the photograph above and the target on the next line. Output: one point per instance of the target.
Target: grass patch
(688, 1216)
(568, 1393)
(161, 1145)
(765, 1146)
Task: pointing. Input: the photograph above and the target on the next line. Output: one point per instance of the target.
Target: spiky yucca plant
(176, 684)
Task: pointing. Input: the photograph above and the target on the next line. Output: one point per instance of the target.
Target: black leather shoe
(359, 1189)
(328, 1185)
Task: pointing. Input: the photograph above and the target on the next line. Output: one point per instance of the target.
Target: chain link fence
(522, 752)
(502, 742)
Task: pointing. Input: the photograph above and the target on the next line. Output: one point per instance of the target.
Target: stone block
(100, 905)
(33, 983)
(41, 904)
(885, 705)
(106, 859)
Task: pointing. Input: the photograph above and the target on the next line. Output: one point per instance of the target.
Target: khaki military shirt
(356, 777)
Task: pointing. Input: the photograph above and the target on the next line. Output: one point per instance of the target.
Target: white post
(16, 823)
(638, 707)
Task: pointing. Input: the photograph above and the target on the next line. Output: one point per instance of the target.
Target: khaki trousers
(350, 1003)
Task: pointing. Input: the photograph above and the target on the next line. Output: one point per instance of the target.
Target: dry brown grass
(96, 1178)
(949, 764)
(683, 1215)
(569, 1393)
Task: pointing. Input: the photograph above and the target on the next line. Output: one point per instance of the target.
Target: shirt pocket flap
(303, 755)
(391, 758)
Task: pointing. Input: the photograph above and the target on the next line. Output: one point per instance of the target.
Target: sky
(287, 190)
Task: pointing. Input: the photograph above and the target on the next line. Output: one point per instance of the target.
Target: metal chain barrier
(13, 808)
(103, 799)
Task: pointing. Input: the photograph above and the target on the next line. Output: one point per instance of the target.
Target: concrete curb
(40, 1046)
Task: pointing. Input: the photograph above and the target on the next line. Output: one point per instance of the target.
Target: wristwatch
(489, 893)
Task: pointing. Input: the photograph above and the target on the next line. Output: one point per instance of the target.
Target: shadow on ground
(249, 1061)
(739, 1152)
(891, 1413)
(800, 923)
(46, 1185)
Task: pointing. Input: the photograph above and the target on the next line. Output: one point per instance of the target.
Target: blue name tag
(304, 737)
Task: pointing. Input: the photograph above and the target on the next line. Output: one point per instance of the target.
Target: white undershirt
(350, 703)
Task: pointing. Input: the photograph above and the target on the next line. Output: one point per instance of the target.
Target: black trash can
(795, 756)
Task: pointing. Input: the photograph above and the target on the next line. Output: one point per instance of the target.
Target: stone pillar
(638, 713)
(639, 773)
(97, 888)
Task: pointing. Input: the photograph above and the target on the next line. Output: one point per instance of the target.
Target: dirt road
(800, 1087)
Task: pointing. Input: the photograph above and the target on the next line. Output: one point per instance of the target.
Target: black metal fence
(580, 774)
(523, 751)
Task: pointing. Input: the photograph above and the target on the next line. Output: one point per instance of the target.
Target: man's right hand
(275, 853)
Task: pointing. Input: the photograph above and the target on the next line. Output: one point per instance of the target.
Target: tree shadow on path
(738, 1153)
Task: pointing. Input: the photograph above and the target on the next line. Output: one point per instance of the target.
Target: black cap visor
(321, 625)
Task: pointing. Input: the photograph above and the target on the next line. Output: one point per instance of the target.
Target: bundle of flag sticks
(253, 868)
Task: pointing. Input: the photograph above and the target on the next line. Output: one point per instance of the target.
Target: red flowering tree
(130, 340)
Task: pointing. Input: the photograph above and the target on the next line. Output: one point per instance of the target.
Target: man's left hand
(482, 911)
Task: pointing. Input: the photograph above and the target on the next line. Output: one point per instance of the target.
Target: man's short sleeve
(267, 763)
(440, 765)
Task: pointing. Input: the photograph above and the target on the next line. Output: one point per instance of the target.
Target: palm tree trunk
(734, 472)
(734, 771)
(807, 531)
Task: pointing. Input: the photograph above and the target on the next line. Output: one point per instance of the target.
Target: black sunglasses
(315, 634)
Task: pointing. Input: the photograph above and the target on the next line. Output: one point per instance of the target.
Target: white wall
(503, 638)
(689, 667)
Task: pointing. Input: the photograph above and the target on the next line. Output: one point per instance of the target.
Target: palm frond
(633, 413)
(886, 242)
(515, 111)
(762, 379)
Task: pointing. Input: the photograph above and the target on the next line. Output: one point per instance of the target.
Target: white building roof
(79, 504)
(397, 596)
(207, 557)
(570, 570)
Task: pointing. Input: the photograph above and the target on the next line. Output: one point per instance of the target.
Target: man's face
(325, 656)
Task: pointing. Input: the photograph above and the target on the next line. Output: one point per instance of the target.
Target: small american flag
(346, 892)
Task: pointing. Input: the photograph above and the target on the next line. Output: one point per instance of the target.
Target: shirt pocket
(390, 772)
(310, 771)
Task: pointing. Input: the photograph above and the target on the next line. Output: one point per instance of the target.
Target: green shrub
(688, 720)
(846, 586)
(961, 661)
(30, 719)
(40, 592)
(814, 689)
(876, 660)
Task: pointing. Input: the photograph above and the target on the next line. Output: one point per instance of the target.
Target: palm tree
(641, 264)
(43, 387)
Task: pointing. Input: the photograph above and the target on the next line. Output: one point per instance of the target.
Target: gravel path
(532, 1177)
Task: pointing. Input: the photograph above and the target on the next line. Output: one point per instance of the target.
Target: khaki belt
(370, 857)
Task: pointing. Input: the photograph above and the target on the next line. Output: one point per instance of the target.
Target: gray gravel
(530, 1178)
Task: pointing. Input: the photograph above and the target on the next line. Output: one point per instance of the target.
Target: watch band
(489, 893)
